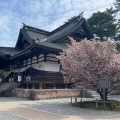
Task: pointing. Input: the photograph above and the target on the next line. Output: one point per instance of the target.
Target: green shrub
(92, 105)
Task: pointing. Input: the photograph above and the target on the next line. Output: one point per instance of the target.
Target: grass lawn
(92, 105)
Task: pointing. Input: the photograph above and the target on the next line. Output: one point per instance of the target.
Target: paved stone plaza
(8, 116)
(13, 108)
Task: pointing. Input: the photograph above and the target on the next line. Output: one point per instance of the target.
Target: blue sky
(43, 14)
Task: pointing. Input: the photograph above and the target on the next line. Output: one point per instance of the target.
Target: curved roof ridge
(34, 28)
(66, 24)
(66, 30)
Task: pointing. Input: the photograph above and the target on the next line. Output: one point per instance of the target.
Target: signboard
(103, 83)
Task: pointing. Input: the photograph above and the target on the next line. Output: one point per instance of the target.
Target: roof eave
(27, 50)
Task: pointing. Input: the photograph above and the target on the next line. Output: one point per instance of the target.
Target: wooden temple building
(32, 63)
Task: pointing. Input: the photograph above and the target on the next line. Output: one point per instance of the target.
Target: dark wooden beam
(44, 57)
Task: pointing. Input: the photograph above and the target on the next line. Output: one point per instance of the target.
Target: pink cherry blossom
(84, 62)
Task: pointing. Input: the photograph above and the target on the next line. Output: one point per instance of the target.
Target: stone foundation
(46, 93)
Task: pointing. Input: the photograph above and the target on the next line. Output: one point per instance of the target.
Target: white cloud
(44, 14)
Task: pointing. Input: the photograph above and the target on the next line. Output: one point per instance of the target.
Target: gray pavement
(56, 109)
(8, 116)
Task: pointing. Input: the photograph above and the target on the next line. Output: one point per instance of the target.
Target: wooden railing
(45, 79)
(48, 79)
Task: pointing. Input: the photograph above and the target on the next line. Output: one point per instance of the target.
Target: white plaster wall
(55, 59)
(29, 61)
(41, 55)
(47, 66)
(34, 59)
(52, 55)
(39, 66)
(52, 67)
(40, 59)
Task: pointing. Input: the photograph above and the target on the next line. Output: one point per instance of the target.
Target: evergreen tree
(104, 24)
(117, 5)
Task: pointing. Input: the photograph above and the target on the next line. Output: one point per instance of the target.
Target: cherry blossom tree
(87, 61)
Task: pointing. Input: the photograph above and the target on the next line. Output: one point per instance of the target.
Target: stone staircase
(5, 89)
(92, 94)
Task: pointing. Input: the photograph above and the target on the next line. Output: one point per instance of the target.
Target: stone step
(4, 86)
(94, 94)
(91, 94)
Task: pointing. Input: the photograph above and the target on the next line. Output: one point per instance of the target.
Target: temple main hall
(32, 63)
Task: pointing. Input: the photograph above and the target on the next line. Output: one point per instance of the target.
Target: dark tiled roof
(2, 53)
(48, 40)
(54, 36)
(66, 24)
(59, 46)
(65, 31)
(8, 51)
(43, 38)
(36, 35)
(27, 27)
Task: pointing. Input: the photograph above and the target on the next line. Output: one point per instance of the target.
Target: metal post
(65, 85)
(96, 104)
(71, 99)
(75, 100)
(111, 105)
(11, 80)
(104, 97)
(81, 94)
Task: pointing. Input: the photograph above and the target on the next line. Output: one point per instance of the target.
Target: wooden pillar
(25, 76)
(22, 64)
(45, 75)
(40, 85)
(58, 61)
(27, 85)
(31, 78)
(12, 67)
(33, 85)
(26, 63)
(31, 61)
(37, 59)
(30, 73)
(65, 85)
(44, 57)
(54, 85)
